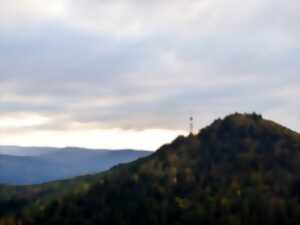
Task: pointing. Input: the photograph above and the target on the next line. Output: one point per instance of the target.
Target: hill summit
(239, 170)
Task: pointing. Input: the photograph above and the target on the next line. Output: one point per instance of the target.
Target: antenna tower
(191, 125)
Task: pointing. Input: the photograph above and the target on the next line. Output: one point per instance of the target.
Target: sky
(129, 73)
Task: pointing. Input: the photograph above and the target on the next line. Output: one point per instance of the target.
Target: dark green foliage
(242, 170)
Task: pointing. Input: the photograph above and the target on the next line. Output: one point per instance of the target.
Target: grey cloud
(222, 58)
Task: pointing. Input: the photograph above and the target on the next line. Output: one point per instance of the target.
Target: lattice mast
(191, 125)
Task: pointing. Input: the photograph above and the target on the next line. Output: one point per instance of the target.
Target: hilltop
(239, 170)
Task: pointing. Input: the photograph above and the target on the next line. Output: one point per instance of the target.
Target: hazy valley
(32, 165)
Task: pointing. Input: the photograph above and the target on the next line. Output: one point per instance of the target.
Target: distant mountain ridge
(42, 150)
(32, 165)
(25, 151)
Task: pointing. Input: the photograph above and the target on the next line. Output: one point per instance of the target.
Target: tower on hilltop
(191, 124)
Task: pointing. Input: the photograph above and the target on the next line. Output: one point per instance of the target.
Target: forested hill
(239, 170)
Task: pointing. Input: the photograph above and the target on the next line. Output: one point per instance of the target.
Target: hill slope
(240, 170)
(55, 164)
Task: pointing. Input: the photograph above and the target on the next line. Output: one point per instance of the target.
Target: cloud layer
(141, 65)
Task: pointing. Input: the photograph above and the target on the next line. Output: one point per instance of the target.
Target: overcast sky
(129, 73)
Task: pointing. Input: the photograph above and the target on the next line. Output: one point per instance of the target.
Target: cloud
(148, 64)
(17, 14)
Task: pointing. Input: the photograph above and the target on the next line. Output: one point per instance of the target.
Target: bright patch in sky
(22, 121)
(108, 139)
